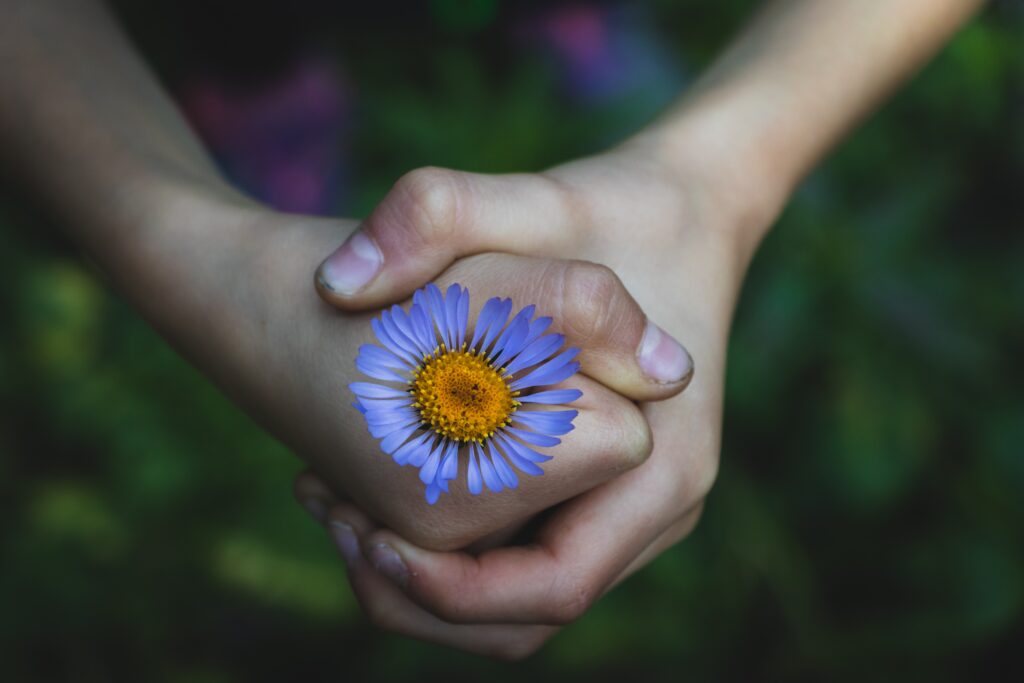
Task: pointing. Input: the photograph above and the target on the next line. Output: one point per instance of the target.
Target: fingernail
(389, 563)
(662, 358)
(352, 266)
(316, 509)
(345, 539)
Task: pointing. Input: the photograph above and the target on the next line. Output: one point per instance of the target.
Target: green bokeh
(868, 520)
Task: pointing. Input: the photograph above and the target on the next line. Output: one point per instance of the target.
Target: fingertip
(663, 360)
(313, 495)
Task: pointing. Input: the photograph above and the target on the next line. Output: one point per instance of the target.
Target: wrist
(715, 142)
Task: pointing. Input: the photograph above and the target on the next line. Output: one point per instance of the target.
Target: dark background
(868, 518)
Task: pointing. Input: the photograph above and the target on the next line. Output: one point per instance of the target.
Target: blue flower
(449, 394)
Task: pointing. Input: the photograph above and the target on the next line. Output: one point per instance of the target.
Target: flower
(459, 394)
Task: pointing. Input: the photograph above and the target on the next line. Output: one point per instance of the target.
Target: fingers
(430, 218)
(588, 303)
(314, 495)
(578, 555)
(387, 606)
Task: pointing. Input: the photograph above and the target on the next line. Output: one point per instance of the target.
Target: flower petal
(451, 313)
(542, 440)
(473, 479)
(429, 470)
(497, 323)
(421, 455)
(410, 449)
(505, 473)
(513, 342)
(552, 423)
(462, 318)
(390, 443)
(554, 371)
(450, 463)
(437, 312)
(537, 328)
(491, 477)
(371, 390)
(537, 352)
(385, 338)
(378, 372)
(487, 316)
(552, 396)
(432, 493)
(523, 457)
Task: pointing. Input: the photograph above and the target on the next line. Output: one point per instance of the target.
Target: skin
(664, 226)
(677, 213)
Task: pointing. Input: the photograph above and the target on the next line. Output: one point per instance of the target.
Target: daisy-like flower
(449, 394)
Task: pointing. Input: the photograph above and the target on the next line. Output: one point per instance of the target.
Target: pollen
(460, 395)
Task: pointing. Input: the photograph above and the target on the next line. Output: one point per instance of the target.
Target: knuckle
(636, 442)
(590, 292)
(574, 599)
(427, 203)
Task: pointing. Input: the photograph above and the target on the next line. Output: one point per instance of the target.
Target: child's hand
(300, 353)
(676, 242)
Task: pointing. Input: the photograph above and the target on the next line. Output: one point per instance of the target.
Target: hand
(677, 241)
(292, 359)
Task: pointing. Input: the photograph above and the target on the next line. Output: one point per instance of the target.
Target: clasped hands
(626, 254)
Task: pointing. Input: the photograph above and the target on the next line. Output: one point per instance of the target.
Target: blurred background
(869, 515)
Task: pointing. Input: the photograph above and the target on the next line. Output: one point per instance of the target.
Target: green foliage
(868, 517)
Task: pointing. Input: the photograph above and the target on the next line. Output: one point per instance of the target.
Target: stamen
(461, 396)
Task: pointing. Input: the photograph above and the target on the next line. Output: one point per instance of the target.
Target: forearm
(793, 82)
(85, 123)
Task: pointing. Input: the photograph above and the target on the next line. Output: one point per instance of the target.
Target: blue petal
(374, 404)
(424, 329)
(473, 474)
(429, 470)
(522, 464)
(522, 317)
(378, 372)
(421, 455)
(486, 318)
(487, 469)
(442, 484)
(437, 312)
(537, 328)
(399, 337)
(371, 390)
(383, 431)
(537, 352)
(553, 396)
(358, 406)
(450, 464)
(524, 452)
(433, 492)
(505, 473)
(410, 448)
(451, 314)
(409, 329)
(462, 318)
(384, 416)
(554, 371)
(385, 338)
(513, 343)
(390, 443)
(382, 357)
(533, 438)
(554, 423)
(497, 323)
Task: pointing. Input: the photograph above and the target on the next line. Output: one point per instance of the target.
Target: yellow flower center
(459, 395)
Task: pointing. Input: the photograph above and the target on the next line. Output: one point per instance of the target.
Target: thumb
(431, 218)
